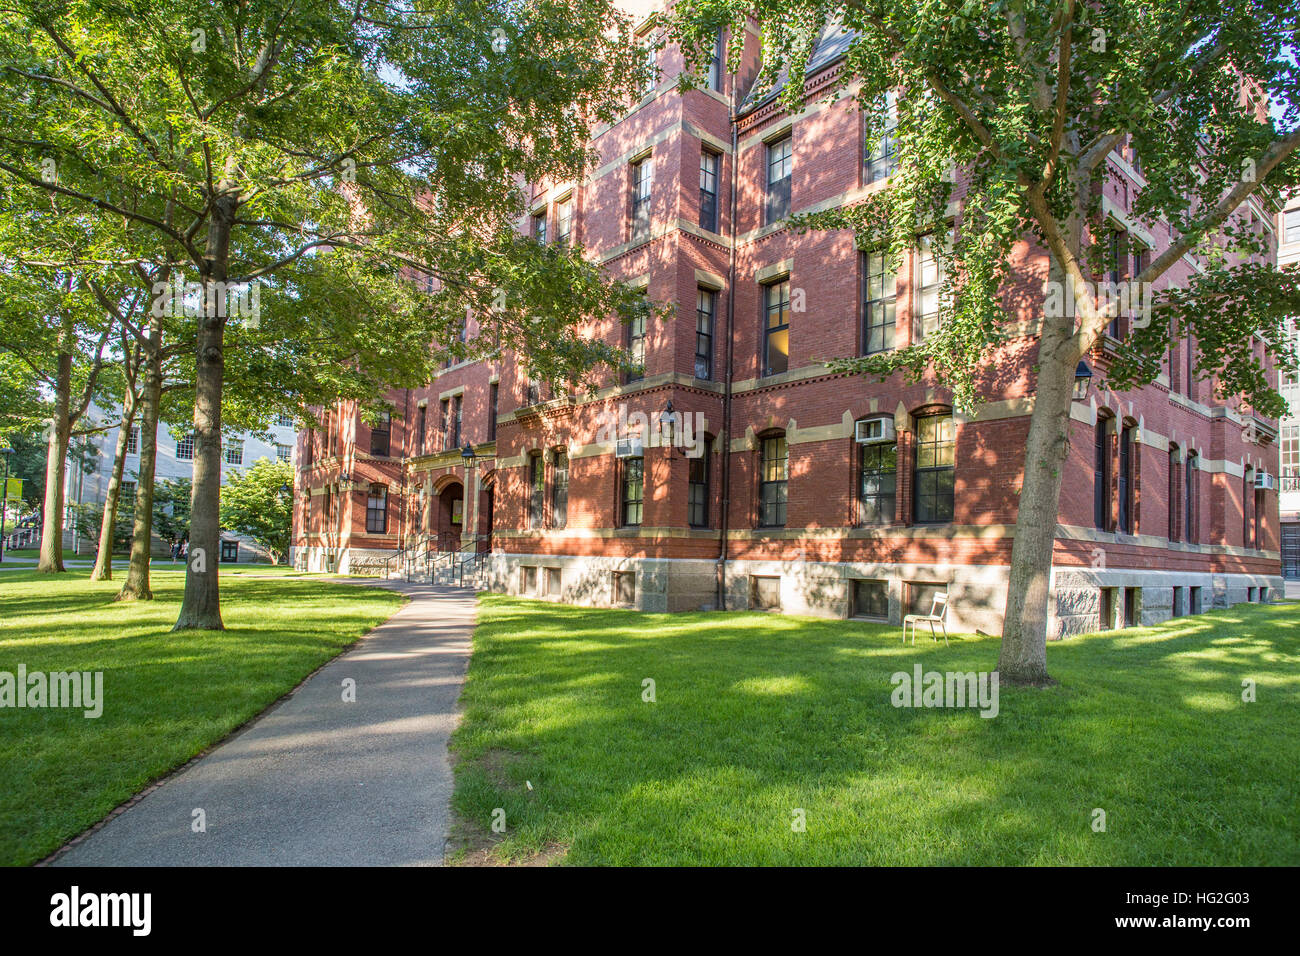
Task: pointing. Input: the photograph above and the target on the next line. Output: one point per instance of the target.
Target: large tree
(328, 153)
(1021, 104)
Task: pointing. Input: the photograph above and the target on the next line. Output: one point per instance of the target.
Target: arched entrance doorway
(449, 516)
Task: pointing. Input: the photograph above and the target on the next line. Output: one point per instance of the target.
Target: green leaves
(259, 504)
(1013, 110)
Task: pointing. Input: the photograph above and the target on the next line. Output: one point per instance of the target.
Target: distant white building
(175, 459)
(1288, 251)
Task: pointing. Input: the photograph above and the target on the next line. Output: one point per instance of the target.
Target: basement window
(871, 599)
(624, 588)
(1132, 603)
(1107, 611)
(764, 593)
(530, 580)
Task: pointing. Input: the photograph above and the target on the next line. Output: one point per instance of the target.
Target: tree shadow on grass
(752, 713)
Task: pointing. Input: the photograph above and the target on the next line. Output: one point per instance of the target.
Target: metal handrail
(473, 560)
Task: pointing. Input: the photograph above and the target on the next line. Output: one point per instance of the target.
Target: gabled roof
(831, 45)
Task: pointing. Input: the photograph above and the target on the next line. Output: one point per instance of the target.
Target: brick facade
(823, 545)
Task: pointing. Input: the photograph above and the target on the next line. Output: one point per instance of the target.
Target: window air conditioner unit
(628, 448)
(1263, 481)
(873, 430)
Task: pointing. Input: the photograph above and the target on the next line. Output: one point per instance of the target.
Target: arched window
(1189, 499)
(377, 509)
(1101, 474)
(773, 487)
(1174, 503)
(936, 448)
(1126, 486)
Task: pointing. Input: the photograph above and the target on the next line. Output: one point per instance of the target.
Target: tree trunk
(103, 570)
(1023, 658)
(136, 586)
(201, 607)
(51, 559)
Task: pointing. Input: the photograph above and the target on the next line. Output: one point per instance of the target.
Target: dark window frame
(536, 491)
(713, 77)
(641, 182)
(1127, 498)
(1101, 474)
(941, 499)
(778, 309)
(710, 167)
(697, 489)
(1175, 505)
(377, 514)
(706, 308)
(877, 503)
(780, 174)
(634, 341)
(631, 483)
(773, 492)
(1247, 499)
(381, 435)
(560, 489)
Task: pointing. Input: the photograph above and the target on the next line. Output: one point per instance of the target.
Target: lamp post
(668, 421)
(4, 498)
(1082, 376)
(470, 459)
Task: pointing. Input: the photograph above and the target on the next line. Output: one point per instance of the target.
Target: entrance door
(1291, 549)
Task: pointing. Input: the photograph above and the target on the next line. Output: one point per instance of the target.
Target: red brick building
(780, 485)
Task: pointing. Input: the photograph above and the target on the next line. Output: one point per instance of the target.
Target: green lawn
(757, 715)
(167, 696)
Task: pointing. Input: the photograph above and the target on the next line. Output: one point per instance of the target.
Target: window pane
(934, 480)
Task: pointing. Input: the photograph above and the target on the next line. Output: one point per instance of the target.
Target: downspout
(726, 397)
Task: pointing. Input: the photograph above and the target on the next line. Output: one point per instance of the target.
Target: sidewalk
(317, 781)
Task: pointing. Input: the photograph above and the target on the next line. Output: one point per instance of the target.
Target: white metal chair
(938, 611)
